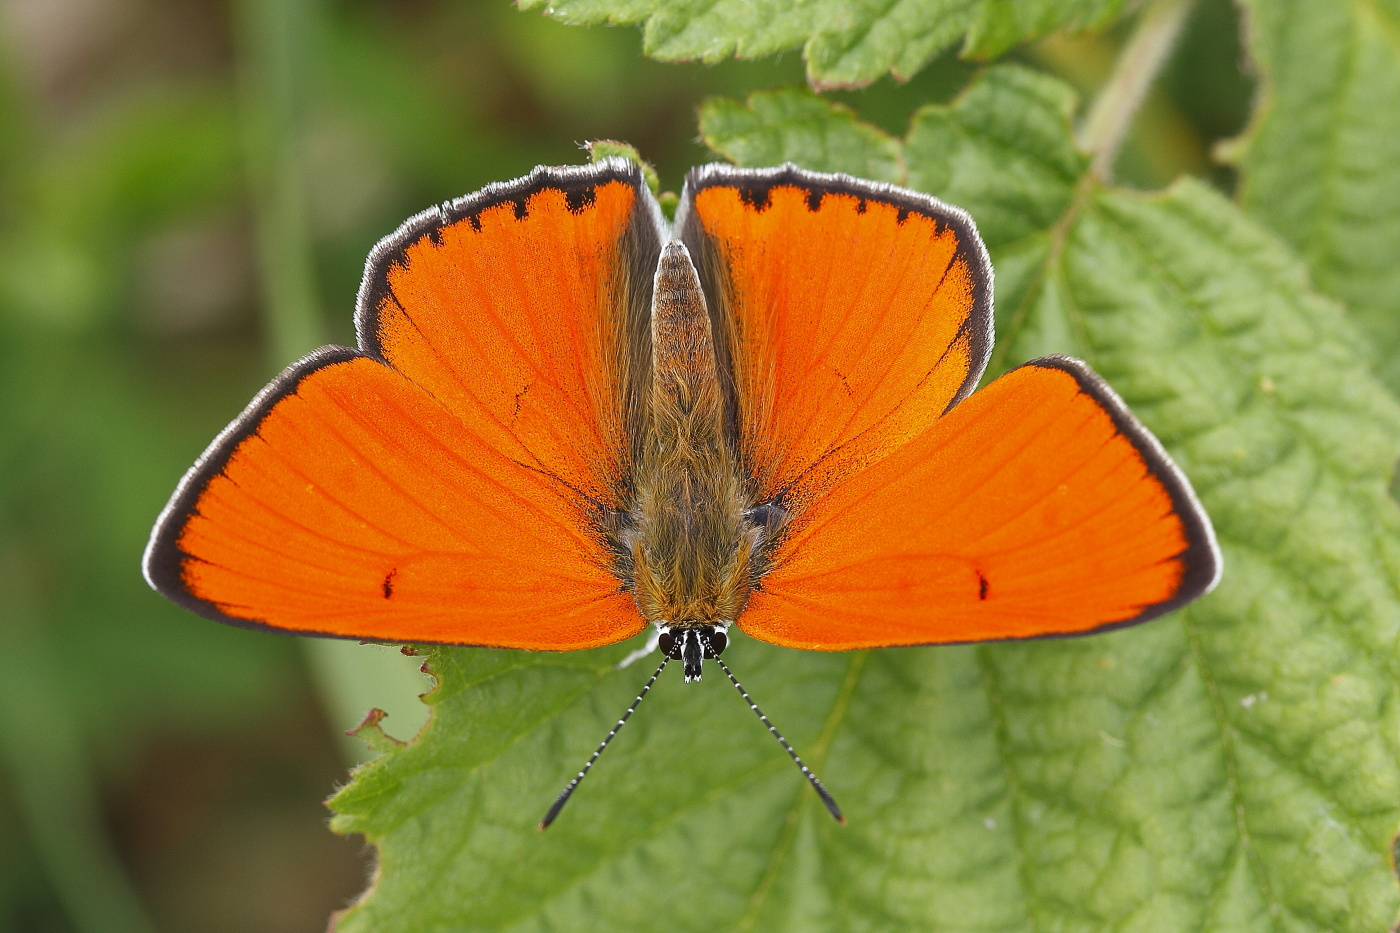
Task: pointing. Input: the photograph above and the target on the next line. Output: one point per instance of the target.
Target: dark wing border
(575, 181)
(162, 564)
(1202, 558)
(756, 183)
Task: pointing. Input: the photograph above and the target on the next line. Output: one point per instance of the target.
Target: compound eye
(718, 641)
(667, 644)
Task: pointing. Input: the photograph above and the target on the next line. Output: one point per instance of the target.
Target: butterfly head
(691, 644)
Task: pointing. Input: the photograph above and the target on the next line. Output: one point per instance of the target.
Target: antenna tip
(545, 825)
(831, 806)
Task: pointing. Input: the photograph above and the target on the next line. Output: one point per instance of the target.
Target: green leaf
(600, 149)
(1233, 767)
(845, 44)
(1320, 163)
(795, 125)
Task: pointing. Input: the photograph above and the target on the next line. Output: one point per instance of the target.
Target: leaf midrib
(1084, 190)
(1232, 780)
(673, 815)
(819, 749)
(996, 705)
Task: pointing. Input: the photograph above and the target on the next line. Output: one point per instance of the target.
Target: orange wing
(1039, 506)
(526, 309)
(852, 315)
(445, 483)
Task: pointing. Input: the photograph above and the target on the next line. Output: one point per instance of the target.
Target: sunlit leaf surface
(1233, 767)
(1321, 162)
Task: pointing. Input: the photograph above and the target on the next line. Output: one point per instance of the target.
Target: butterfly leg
(643, 651)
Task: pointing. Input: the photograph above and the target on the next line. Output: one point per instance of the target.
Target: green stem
(1144, 54)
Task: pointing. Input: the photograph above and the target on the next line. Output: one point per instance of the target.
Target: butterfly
(569, 421)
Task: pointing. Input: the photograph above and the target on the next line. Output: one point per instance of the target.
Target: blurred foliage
(161, 772)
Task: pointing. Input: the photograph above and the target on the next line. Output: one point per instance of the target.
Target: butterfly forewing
(850, 315)
(526, 310)
(445, 482)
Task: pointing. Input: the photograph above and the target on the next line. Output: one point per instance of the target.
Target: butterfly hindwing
(1039, 506)
(445, 482)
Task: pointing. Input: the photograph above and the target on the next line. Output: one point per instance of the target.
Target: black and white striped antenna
(817, 785)
(568, 791)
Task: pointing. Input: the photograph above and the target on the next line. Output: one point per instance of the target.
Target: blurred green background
(188, 189)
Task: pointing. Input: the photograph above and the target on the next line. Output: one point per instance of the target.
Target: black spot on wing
(759, 197)
(578, 200)
(388, 585)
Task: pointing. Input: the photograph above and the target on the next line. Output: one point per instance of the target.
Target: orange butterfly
(568, 420)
